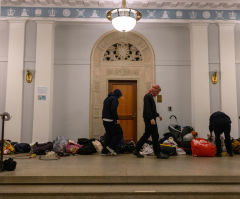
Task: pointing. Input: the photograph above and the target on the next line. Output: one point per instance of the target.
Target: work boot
(162, 156)
(136, 153)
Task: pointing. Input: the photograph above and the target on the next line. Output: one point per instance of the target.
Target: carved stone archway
(119, 56)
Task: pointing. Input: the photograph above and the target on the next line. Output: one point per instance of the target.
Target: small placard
(42, 93)
(159, 98)
(42, 97)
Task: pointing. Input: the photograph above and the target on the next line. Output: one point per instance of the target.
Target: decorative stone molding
(99, 14)
(122, 52)
(124, 69)
(162, 4)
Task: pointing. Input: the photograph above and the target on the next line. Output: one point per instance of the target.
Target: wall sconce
(214, 78)
(29, 76)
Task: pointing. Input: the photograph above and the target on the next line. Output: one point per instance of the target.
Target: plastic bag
(8, 148)
(59, 144)
(202, 148)
(72, 147)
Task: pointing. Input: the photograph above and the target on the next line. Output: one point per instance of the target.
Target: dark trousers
(218, 130)
(150, 130)
(113, 135)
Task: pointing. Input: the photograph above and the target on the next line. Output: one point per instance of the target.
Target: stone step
(121, 191)
(8, 180)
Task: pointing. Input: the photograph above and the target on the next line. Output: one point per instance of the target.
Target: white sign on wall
(42, 93)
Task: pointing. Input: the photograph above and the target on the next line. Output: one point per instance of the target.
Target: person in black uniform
(220, 123)
(149, 115)
(111, 123)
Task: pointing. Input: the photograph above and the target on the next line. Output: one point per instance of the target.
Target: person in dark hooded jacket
(111, 122)
(220, 123)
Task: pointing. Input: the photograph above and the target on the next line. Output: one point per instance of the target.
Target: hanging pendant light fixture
(124, 19)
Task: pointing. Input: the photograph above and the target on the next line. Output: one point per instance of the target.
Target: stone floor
(123, 175)
(127, 165)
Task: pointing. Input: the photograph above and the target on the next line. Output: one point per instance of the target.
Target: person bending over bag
(220, 123)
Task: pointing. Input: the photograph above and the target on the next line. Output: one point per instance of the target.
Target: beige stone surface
(123, 176)
(127, 168)
(102, 71)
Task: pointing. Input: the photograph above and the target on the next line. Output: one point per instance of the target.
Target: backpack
(186, 130)
(167, 149)
(22, 148)
(87, 149)
(9, 165)
(40, 149)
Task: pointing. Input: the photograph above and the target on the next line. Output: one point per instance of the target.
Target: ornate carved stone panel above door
(119, 56)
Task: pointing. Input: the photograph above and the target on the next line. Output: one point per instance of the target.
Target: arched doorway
(119, 56)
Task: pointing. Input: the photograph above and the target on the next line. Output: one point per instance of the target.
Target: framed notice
(42, 93)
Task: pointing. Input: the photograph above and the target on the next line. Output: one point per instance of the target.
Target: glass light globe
(124, 23)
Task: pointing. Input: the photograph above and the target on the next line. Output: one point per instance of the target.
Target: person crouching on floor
(149, 115)
(220, 123)
(111, 123)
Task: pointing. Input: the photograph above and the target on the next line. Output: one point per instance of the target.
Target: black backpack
(87, 149)
(22, 148)
(9, 165)
(40, 149)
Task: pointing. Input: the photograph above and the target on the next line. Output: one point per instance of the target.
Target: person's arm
(114, 106)
(210, 128)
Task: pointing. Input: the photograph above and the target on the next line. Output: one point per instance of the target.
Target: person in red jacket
(150, 115)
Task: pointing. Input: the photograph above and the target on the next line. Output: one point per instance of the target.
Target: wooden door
(127, 108)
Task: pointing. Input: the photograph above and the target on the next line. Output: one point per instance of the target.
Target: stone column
(200, 96)
(228, 74)
(43, 92)
(14, 90)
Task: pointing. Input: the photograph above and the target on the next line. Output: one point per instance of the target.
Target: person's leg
(228, 142)
(143, 139)
(116, 137)
(107, 138)
(155, 137)
(156, 144)
(218, 132)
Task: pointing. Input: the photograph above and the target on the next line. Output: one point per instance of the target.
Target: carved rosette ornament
(122, 52)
